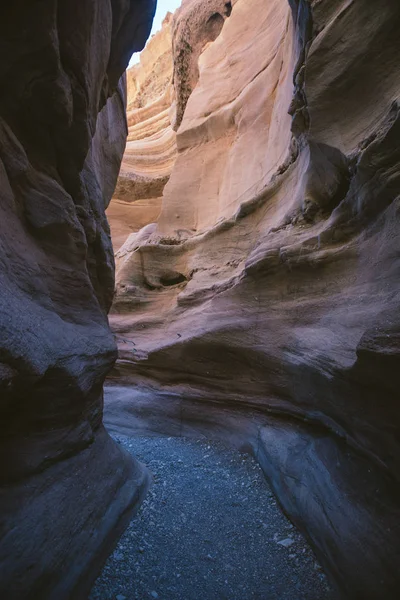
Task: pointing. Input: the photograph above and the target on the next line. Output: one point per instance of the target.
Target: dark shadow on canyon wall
(66, 489)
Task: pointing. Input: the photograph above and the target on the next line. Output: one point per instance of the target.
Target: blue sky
(163, 6)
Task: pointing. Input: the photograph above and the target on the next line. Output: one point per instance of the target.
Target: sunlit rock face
(151, 146)
(264, 303)
(66, 488)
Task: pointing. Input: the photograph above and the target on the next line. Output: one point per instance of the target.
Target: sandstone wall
(66, 488)
(151, 146)
(264, 304)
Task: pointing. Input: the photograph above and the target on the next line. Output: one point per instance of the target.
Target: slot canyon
(200, 251)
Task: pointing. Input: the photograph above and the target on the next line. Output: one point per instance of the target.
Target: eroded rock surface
(151, 146)
(66, 488)
(264, 304)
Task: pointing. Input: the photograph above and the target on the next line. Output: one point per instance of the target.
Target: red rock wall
(66, 488)
(264, 305)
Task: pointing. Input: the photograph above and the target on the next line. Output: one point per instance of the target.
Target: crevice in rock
(172, 279)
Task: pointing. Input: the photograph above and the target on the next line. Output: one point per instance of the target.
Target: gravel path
(209, 529)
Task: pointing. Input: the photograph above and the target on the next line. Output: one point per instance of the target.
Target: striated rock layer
(66, 488)
(151, 147)
(264, 303)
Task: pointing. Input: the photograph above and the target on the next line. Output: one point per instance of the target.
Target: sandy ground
(209, 529)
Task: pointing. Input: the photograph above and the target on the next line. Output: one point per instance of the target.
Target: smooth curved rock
(66, 488)
(269, 288)
(151, 147)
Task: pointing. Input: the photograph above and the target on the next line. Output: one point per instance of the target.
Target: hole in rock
(228, 9)
(214, 26)
(172, 279)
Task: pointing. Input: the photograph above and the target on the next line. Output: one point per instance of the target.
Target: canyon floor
(209, 529)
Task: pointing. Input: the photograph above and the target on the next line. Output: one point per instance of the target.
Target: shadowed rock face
(66, 489)
(264, 304)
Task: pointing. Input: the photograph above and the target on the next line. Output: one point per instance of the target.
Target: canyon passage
(202, 251)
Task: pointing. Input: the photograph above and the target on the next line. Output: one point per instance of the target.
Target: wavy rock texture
(151, 147)
(264, 304)
(66, 488)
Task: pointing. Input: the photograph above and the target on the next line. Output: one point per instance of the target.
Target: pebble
(286, 542)
(118, 556)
